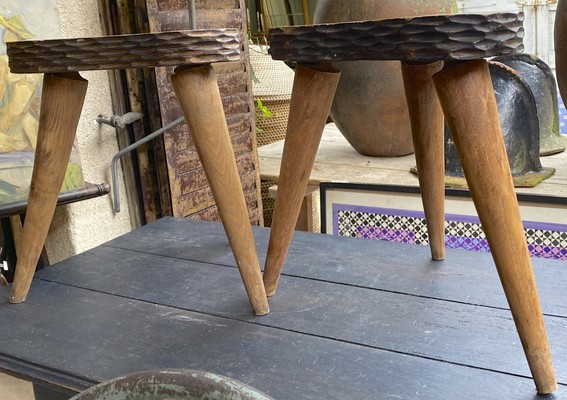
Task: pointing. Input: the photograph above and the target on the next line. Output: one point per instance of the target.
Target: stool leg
(426, 117)
(467, 97)
(198, 94)
(61, 104)
(312, 95)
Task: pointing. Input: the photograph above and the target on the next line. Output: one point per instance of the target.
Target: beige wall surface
(80, 226)
(15, 389)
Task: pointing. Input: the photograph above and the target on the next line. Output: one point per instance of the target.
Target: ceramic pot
(172, 384)
(370, 106)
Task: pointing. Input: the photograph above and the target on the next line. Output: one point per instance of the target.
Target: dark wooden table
(353, 319)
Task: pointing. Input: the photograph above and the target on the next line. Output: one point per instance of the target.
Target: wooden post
(306, 14)
(267, 23)
(62, 100)
(312, 95)
(467, 97)
(308, 218)
(560, 46)
(198, 94)
(427, 124)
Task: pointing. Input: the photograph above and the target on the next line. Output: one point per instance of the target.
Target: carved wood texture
(125, 51)
(419, 39)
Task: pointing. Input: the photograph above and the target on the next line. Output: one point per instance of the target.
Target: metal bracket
(119, 121)
(126, 150)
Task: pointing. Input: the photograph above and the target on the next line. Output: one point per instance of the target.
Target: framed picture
(20, 101)
(395, 213)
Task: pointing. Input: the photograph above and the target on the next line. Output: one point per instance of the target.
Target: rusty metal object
(541, 82)
(370, 108)
(419, 39)
(520, 129)
(125, 51)
(173, 384)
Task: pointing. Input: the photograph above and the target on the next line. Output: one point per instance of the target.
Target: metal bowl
(174, 384)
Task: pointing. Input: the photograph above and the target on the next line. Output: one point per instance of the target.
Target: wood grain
(427, 123)
(61, 104)
(233, 80)
(413, 325)
(465, 92)
(466, 277)
(199, 97)
(312, 95)
(427, 329)
(419, 39)
(284, 363)
(142, 50)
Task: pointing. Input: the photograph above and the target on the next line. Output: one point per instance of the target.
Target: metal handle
(120, 121)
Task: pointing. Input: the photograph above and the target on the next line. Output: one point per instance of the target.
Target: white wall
(80, 226)
(539, 18)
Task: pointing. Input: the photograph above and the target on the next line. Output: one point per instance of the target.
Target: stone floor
(15, 389)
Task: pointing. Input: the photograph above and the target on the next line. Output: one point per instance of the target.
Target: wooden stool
(444, 74)
(196, 88)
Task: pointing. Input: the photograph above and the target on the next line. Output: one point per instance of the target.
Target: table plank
(464, 276)
(437, 329)
(416, 323)
(87, 336)
(169, 295)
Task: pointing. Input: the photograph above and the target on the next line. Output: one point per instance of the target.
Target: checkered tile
(465, 233)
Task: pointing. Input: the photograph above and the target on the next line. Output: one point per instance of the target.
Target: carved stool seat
(445, 75)
(195, 86)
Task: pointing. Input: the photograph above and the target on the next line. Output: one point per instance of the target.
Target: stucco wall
(80, 226)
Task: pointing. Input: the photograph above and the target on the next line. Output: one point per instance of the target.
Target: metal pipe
(192, 17)
(120, 121)
(126, 150)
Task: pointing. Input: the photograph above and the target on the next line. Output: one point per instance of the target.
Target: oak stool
(445, 75)
(195, 86)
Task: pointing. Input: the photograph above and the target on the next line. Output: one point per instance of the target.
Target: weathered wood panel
(200, 199)
(189, 160)
(112, 336)
(456, 333)
(195, 192)
(121, 105)
(186, 179)
(161, 164)
(148, 173)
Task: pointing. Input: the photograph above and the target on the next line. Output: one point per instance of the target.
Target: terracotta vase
(370, 107)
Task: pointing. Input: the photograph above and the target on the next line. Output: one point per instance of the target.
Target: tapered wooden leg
(198, 94)
(468, 101)
(61, 104)
(426, 117)
(312, 95)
